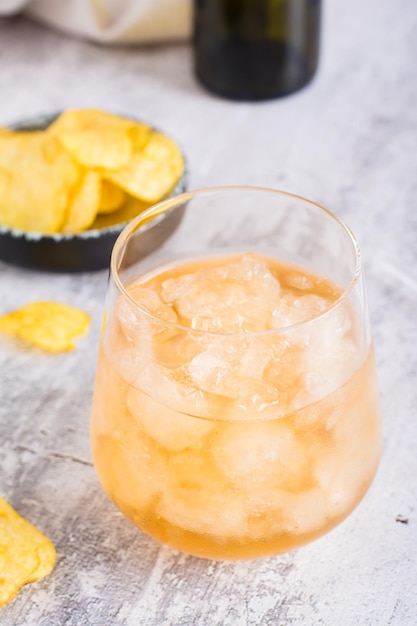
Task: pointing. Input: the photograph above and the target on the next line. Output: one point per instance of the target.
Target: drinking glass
(235, 411)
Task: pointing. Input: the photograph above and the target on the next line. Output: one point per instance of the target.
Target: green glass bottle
(256, 49)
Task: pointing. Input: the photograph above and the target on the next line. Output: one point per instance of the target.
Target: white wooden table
(348, 141)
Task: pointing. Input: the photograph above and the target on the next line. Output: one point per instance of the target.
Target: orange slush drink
(236, 411)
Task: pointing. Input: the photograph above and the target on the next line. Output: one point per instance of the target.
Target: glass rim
(146, 218)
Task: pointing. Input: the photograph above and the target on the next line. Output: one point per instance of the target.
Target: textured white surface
(349, 141)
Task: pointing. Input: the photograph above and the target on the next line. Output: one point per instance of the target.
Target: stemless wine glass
(236, 411)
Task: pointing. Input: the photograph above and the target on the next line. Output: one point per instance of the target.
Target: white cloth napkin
(111, 21)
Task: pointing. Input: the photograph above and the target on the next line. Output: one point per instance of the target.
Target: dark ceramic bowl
(86, 251)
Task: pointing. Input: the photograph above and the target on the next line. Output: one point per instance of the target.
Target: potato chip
(152, 171)
(48, 325)
(50, 179)
(94, 138)
(111, 197)
(26, 555)
(74, 120)
(130, 209)
(4, 188)
(109, 149)
(37, 175)
(83, 204)
(139, 134)
(12, 146)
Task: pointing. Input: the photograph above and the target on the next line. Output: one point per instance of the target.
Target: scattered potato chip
(48, 325)
(152, 171)
(37, 175)
(83, 204)
(111, 198)
(26, 555)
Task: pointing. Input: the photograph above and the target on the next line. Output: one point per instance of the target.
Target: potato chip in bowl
(70, 182)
